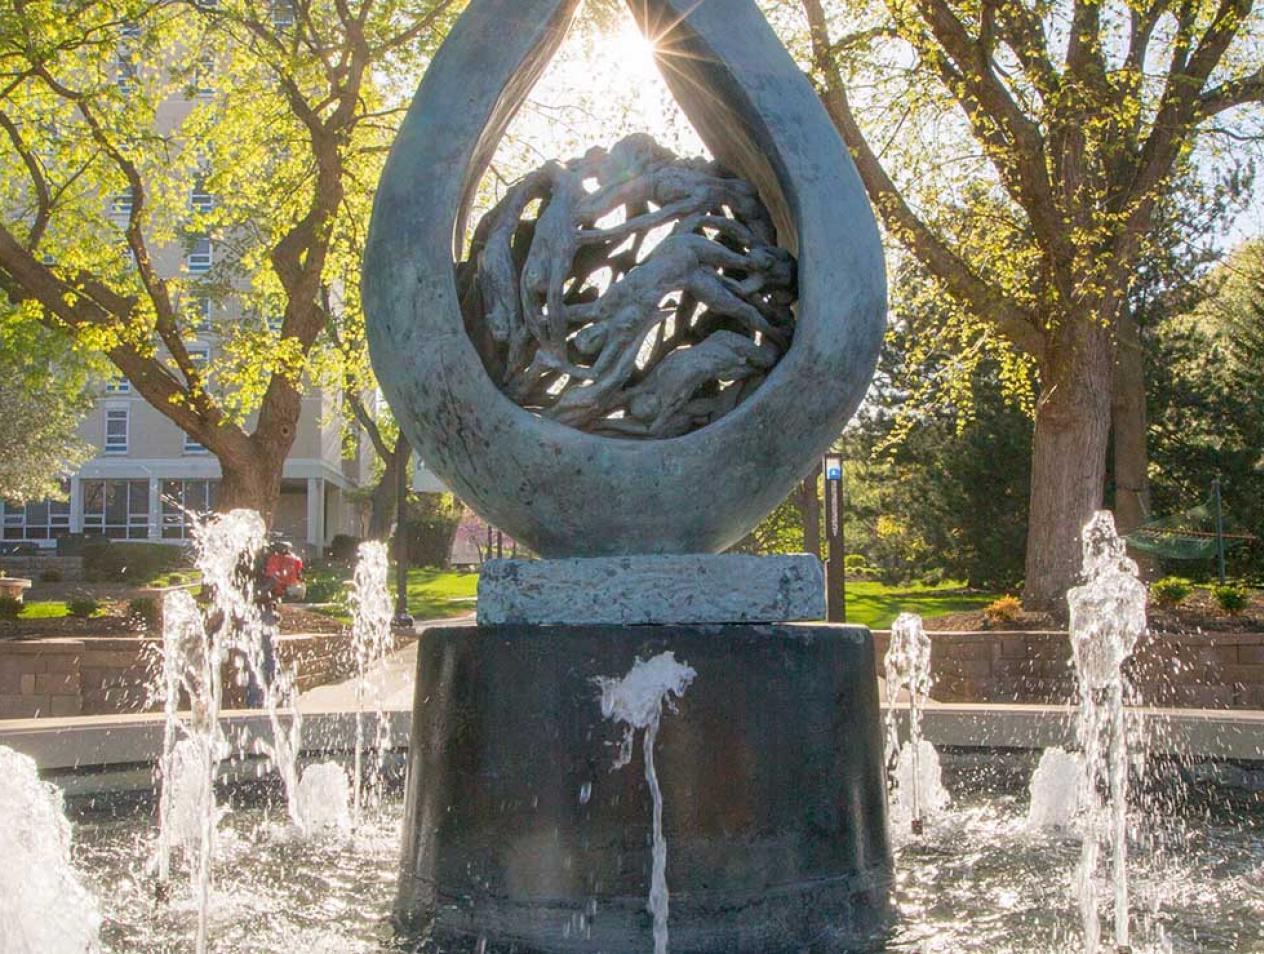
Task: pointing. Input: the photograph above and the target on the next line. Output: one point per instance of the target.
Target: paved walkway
(392, 681)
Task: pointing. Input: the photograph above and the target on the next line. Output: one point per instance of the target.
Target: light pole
(835, 563)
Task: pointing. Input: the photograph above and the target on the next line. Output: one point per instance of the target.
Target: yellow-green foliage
(1003, 612)
(1170, 591)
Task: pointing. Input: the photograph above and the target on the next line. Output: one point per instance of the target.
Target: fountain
(628, 327)
(371, 641)
(44, 908)
(1108, 616)
(916, 771)
(758, 822)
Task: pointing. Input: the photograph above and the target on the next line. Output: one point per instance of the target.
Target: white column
(76, 505)
(316, 514)
(155, 509)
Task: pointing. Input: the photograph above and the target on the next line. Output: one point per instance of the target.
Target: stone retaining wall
(69, 568)
(71, 677)
(1206, 670)
(67, 677)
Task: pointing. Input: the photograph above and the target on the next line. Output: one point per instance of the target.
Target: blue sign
(834, 472)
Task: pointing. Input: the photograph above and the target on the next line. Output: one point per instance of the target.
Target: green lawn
(876, 605)
(43, 609)
(432, 593)
(436, 594)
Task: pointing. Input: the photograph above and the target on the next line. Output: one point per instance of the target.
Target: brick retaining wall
(1206, 670)
(71, 677)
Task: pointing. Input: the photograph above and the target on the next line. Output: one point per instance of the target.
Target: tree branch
(983, 299)
(1245, 89)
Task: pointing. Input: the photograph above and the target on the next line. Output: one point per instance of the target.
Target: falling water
(1108, 616)
(196, 646)
(323, 794)
(907, 666)
(44, 909)
(371, 641)
(637, 701)
(1055, 790)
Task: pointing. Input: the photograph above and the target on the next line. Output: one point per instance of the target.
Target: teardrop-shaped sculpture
(560, 490)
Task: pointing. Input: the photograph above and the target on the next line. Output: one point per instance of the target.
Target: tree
(1206, 412)
(44, 393)
(1079, 117)
(248, 134)
(937, 462)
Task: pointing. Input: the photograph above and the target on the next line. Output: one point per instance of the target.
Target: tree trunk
(808, 501)
(385, 499)
(251, 481)
(1128, 419)
(1068, 469)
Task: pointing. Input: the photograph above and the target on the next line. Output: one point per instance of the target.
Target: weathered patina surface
(650, 590)
(557, 488)
(646, 298)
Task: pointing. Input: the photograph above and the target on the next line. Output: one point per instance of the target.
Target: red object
(283, 570)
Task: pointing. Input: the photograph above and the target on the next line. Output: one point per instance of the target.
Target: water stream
(1108, 616)
(371, 643)
(637, 701)
(914, 768)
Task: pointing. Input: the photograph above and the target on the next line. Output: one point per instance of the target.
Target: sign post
(403, 619)
(835, 569)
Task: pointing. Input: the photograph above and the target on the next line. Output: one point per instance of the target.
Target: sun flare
(634, 52)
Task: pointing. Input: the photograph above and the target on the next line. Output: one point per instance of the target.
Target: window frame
(123, 413)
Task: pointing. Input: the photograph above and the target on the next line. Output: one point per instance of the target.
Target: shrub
(324, 589)
(1232, 599)
(144, 609)
(1169, 591)
(82, 607)
(855, 561)
(50, 576)
(1003, 612)
(430, 524)
(11, 607)
(343, 547)
(105, 562)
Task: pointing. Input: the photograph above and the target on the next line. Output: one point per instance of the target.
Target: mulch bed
(1198, 612)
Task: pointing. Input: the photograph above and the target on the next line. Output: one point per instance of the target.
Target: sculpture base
(521, 834)
(652, 589)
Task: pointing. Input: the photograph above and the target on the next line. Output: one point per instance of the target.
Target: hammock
(1189, 535)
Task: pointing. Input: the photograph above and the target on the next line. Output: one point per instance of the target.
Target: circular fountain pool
(976, 880)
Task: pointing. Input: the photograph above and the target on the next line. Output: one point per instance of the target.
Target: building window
(118, 385)
(204, 76)
(125, 71)
(41, 520)
(282, 13)
(118, 509)
(183, 501)
(191, 446)
(203, 313)
(116, 430)
(200, 200)
(121, 204)
(201, 256)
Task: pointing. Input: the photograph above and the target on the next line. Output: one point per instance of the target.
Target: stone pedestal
(521, 835)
